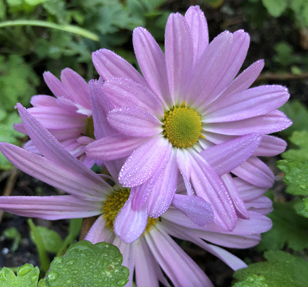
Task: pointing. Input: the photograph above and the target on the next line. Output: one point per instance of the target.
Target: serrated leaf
(281, 269)
(301, 207)
(252, 281)
(27, 275)
(298, 113)
(17, 82)
(295, 163)
(288, 229)
(50, 238)
(275, 7)
(87, 264)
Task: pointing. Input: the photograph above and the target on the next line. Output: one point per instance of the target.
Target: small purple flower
(170, 120)
(68, 115)
(90, 195)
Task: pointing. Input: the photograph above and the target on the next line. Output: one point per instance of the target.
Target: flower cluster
(180, 143)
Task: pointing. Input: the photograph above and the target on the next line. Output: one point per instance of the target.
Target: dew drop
(22, 271)
(57, 260)
(71, 262)
(52, 276)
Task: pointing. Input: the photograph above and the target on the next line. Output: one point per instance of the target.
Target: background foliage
(41, 35)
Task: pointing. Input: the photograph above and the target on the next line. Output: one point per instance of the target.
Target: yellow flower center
(90, 127)
(182, 126)
(114, 203)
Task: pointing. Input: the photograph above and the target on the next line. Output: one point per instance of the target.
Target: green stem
(40, 247)
(67, 28)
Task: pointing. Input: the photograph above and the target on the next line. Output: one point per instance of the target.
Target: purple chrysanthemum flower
(186, 102)
(68, 115)
(56, 166)
(90, 196)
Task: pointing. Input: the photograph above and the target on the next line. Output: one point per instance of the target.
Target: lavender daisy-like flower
(68, 115)
(55, 165)
(186, 102)
(90, 195)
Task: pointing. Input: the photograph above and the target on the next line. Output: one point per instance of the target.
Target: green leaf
(298, 113)
(17, 82)
(86, 264)
(252, 281)
(283, 54)
(27, 276)
(57, 9)
(295, 163)
(12, 233)
(40, 246)
(2, 10)
(301, 207)
(66, 28)
(281, 269)
(51, 239)
(73, 231)
(275, 7)
(288, 229)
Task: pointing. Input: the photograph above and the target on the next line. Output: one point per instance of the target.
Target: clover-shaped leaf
(89, 265)
(27, 275)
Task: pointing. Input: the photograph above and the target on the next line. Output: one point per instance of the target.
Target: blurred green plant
(40, 35)
(296, 9)
(281, 269)
(12, 233)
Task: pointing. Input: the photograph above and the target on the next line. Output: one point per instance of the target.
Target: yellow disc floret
(114, 203)
(90, 128)
(182, 126)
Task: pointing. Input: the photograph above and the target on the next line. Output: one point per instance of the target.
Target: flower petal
(262, 205)
(206, 74)
(242, 81)
(226, 156)
(146, 267)
(179, 57)
(248, 191)
(247, 104)
(230, 185)
(79, 184)
(193, 236)
(234, 62)
(144, 162)
(183, 162)
(58, 118)
(130, 224)
(55, 85)
(52, 150)
(198, 29)
(269, 123)
(99, 232)
(126, 93)
(77, 87)
(101, 105)
(164, 189)
(113, 147)
(270, 146)
(195, 208)
(178, 266)
(134, 122)
(255, 172)
(109, 65)
(50, 207)
(208, 185)
(42, 100)
(151, 60)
